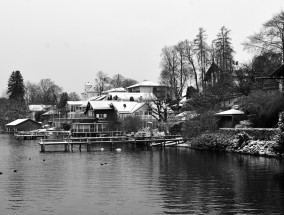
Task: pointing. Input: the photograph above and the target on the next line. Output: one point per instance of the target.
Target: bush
(176, 128)
(132, 124)
(66, 126)
(263, 108)
(204, 122)
(244, 124)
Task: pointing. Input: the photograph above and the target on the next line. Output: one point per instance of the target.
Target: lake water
(136, 181)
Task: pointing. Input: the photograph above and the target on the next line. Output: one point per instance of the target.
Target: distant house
(212, 75)
(75, 108)
(127, 96)
(22, 125)
(89, 91)
(114, 90)
(38, 108)
(148, 87)
(279, 74)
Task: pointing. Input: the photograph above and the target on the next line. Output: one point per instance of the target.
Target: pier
(88, 143)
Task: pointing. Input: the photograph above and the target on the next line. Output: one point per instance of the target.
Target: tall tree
(117, 81)
(62, 103)
(33, 93)
(266, 63)
(270, 38)
(224, 52)
(128, 82)
(50, 91)
(169, 66)
(16, 88)
(202, 51)
(102, 82)
(63, 100)
(183, 68)
(190, 54)
(73, 96)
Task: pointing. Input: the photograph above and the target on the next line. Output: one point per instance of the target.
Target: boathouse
(22, 125)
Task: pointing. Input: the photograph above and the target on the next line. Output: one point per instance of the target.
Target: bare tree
(190, 56)
(33, 93)
(183, 68)
(102, 81)
(270, 38)
(117, 81)
(169, 65)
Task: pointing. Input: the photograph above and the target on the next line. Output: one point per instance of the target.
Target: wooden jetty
(33, 135)
(88, 142)
(30, 136)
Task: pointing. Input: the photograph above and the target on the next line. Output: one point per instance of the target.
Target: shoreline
(240, 143)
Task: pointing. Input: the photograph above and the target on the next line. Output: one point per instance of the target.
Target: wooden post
(112, 144)
(88, 146)
(66, 147)
(80, 147)
(42, 147)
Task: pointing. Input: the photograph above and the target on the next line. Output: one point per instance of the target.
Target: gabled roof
(127, 107)
(100, 105)
(19, 121)
(278, 72)
(213, 68)
(230, 112)
(145, 83)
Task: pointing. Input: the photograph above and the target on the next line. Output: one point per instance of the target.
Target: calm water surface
(136, 181)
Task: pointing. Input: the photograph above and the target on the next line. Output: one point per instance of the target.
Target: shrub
(244, 124)
(263, 108)
(204, 122)
(132, 124)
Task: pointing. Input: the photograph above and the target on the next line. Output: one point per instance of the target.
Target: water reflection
(136, 181)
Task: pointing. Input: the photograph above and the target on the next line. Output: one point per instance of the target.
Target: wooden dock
(89, 142)
(30, 136)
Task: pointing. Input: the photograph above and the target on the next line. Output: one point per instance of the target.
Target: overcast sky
(69, 41)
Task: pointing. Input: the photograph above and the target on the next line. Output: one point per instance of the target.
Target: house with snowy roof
(148, 87)
(22, 125)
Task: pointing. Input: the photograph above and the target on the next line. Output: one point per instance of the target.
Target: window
(101, 116)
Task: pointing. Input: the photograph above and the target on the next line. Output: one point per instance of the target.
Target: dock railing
(69, 142)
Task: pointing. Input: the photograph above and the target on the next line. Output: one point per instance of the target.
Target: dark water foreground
(136, 181)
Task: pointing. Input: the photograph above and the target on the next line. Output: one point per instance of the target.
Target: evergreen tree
(202, 52)
(223, 53)
(62, 103)
(16, 88)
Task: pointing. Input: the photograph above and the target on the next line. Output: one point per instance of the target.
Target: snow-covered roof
(97, 98)
(120, 89)
(186, 115)
(230, 112)
(99, 105)
(50, 112)
(145, 83)
(35, 108)
(136, 96)
(75, 103)
(127, 107)
(18, 121)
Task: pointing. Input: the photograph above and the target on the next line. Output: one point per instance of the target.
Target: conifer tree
(16, 88)
(223, 52)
